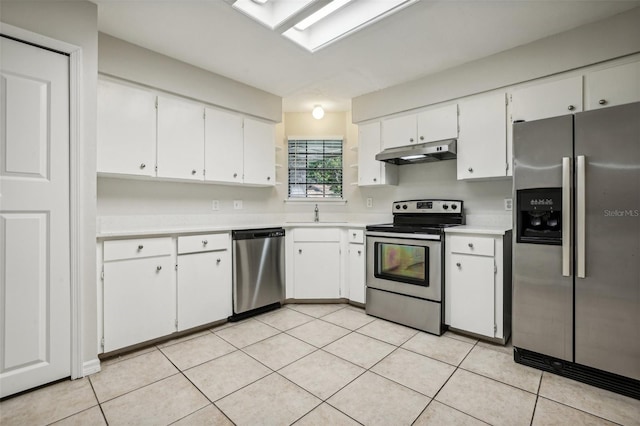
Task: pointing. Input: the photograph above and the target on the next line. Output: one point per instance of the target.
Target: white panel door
(316, 270)
(356, 273)
(399, 131)
(204, 288)
(180, 139)
(613, 86)
(438, 124)
(259, 153)
(126, 129)
(223, 146)
(35, 292)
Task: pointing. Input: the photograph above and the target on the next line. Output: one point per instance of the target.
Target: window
(315, 168)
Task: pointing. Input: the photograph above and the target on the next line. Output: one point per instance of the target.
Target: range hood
(420, 153)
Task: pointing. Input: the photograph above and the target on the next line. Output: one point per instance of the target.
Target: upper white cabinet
(370, 170)
(613, 86)
(482, 143)
(259, 153)
(547, 99)
(427, 126)
(223, 146)
(126, 124)
(180, 139)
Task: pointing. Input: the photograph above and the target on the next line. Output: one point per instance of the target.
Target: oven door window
(402, 262)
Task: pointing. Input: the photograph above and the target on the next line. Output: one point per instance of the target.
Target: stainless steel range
(404, 263)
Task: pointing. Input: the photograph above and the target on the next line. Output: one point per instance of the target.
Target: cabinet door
(259, 153)
(223, 146)
(316, 270)
(613, 86)
(438, 124)
(126, 130)
(180, 139)
(204, 288)
(547, 100)
(139, 301)
(356, 273)
(472, 293)
(371, 171)
(482, 144)
(399, 131)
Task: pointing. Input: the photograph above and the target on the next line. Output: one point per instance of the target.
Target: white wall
(586, 45)
(74, 22)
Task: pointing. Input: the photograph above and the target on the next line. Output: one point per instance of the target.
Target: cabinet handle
(411, 140)
(354, 235)
(218, 261)
(193, 172)
(470, 169)
(235, 175)
(268, 177)
(158, 268)
(359, 252)
(205, 242)
(375, 179)
(421, 138)
(142, 166)
(602, 101)
(140, 247)
(470, 245)
(458, 264)
(571, 108)
(299, 251)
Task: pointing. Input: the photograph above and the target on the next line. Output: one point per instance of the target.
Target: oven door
(408, 264)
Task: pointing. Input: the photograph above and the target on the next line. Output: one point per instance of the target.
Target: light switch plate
(237, 204)
(369, 202)
(508, 204)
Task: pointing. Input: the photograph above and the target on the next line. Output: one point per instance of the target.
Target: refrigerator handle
(580, 215)
(566, 216)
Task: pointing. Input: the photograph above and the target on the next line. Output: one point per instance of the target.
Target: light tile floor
(319, 365)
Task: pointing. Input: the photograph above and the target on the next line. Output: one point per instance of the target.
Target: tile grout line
(98, 401)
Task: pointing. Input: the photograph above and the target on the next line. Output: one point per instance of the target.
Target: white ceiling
(424, 38)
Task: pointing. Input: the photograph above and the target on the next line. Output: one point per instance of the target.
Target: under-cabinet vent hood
(420, 153)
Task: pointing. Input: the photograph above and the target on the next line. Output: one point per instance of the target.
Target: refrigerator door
(607, 299)
(542, 296)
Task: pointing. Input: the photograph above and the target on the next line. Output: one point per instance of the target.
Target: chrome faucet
(316, 214)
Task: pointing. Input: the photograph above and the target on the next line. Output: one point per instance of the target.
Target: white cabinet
(546, 100)
(430, 125)
(180, 139)
(613, 86)
(259, 153)
(139, 293)
(371, 171)
(316, 263)
(204, 279)
(223, 150)
(478, 283)
(126, 124)
(482, 144)
(356, 265)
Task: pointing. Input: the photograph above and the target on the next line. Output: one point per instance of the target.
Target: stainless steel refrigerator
(576, 256)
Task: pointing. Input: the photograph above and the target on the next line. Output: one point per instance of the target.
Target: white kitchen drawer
(316, 234)
(356, 236)
(201, 243)
(482, 246)
(137, 248)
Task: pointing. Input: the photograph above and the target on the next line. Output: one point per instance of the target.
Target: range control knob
(454, 206)
(404, 206)
(397, 206)
(445, 206)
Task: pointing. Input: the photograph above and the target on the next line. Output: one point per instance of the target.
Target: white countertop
(478, 229)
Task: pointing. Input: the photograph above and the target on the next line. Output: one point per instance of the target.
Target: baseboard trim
(90, 367)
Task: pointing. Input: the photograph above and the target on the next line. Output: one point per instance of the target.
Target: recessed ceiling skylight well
(314, 24)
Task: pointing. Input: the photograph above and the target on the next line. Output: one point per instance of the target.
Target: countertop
(478, 229)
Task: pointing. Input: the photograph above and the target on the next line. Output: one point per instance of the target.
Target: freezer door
(607, 299)
(542, 296)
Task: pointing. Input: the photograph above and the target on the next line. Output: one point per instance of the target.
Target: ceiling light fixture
(317, 112)
(320, 14)
(260, 1)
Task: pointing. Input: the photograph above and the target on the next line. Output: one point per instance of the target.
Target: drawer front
(482, 246)
(200, 243)
(356, 236)
(137, 248)
(316, 234)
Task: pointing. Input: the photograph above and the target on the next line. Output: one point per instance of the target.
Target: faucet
(316, 214)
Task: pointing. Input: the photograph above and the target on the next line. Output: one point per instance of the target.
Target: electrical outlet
(508, 204)
(369, 202)
(237, 204)
(215, 205)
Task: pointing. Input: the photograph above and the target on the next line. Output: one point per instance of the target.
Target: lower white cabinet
(204, 279)
(478, 282)
(356, 273)
(139, 295)
(316, 263)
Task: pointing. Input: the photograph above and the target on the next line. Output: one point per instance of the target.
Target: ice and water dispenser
(539, 216)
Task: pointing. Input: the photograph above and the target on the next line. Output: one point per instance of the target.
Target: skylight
(314, 24)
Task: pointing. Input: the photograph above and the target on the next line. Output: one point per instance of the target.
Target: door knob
(602, 101)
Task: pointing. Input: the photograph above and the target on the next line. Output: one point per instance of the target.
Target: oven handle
(431, 237)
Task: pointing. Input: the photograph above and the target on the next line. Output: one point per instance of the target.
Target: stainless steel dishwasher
(258, 271)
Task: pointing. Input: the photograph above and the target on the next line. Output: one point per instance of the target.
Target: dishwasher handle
(256, 234)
